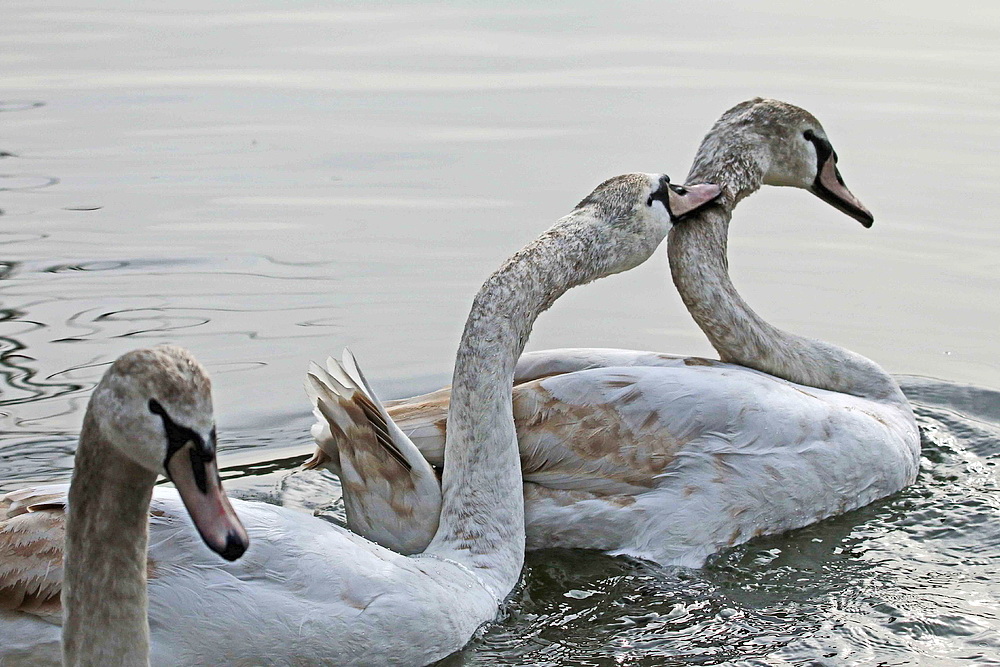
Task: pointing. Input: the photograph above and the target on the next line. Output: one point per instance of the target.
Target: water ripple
(25, 182)
(19, 105)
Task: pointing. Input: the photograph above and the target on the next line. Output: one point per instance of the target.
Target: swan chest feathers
(697, 455)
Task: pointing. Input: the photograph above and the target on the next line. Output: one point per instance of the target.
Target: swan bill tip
(236, 545)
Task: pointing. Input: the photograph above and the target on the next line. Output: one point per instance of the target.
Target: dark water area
(265, 185)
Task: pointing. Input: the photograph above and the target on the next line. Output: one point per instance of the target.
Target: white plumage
(306, 592)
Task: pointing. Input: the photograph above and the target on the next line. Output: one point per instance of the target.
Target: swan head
(788, 147)
(639, 209)
(647, 200)
(154, 406)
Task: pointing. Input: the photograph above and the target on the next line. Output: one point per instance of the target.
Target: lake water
(264, 184)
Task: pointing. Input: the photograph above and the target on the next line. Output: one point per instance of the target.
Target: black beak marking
(198, 470)
(824, 152)
(661, 195)
(178, 436)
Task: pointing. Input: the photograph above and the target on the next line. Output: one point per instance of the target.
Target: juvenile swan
(659, 456)
(151, 414)
(313, 593)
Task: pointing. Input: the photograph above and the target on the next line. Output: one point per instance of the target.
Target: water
(265, 185)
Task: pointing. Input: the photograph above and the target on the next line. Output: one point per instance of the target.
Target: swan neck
(734, 162)
(700, 271)
(482, 516)
(104, 592)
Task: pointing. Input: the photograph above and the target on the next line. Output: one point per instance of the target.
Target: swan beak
(829, 186)
(193, 470)
(683, 200)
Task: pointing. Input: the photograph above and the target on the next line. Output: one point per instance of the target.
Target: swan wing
(32, 534)
(630, 429)
(391, 493)
(618, 458)
(32, 530)
(424, 418)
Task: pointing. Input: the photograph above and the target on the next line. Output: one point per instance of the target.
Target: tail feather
(350, 366)
(391, 492)
(344, 403)
(336, 371)
(320, 459)
(339, 384)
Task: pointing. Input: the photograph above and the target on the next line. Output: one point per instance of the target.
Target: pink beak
(688, 199)
(194, 472)
(829, 186)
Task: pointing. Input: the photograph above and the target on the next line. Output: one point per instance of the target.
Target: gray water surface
(265, 183)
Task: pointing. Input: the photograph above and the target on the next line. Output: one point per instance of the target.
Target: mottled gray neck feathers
(700, 270)
(482, 516)
(734, 162)
(104, 591)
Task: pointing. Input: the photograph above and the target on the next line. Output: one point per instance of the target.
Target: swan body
(673, 458)
(308, 592)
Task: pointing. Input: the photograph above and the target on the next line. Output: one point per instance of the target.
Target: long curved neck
(104, 590)
(700, 270)
(482, 515)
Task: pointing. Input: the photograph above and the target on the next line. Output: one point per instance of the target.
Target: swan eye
(156, 408)
(809, 135)
(649, 202)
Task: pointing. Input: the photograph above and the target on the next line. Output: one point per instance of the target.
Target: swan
(309, 592)
(660, 456)
(150, 414)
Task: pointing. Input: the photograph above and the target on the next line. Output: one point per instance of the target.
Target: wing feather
(31, 551)
(32, 535)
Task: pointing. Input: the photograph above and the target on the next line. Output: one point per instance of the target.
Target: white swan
(308, 592)
(666, 457)
(150, 414)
